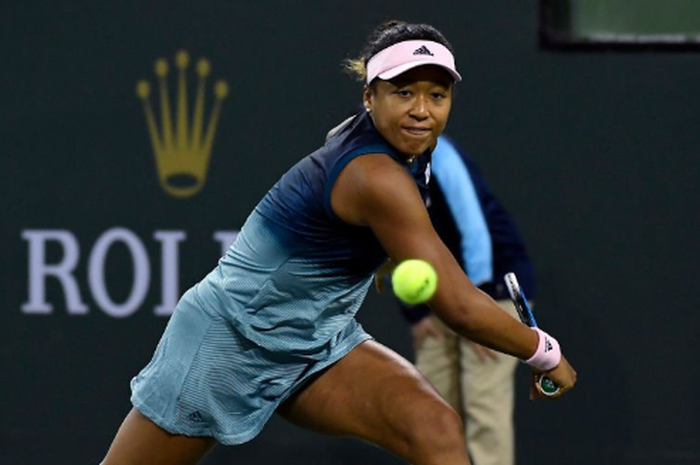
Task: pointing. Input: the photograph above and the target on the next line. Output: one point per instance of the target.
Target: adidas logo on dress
(195, 417)
(423, 50)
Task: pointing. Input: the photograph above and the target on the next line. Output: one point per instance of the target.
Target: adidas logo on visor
(423, 50)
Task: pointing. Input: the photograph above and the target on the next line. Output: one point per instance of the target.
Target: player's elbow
(465, 310)
(463, 320)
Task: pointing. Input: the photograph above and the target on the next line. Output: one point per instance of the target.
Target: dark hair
(388, 34)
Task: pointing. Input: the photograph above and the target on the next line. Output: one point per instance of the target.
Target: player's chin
(414, 148)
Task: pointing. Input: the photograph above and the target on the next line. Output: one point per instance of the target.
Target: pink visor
(403, 56)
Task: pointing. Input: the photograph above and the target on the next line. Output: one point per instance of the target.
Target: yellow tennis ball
(414, 281)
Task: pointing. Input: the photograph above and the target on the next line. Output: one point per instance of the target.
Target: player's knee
(436, 427)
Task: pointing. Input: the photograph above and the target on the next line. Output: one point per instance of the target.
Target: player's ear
(367, 98)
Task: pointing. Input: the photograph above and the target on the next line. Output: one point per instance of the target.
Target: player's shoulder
(377, 171)
(370, 186)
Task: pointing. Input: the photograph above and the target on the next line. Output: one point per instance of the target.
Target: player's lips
(417, 131)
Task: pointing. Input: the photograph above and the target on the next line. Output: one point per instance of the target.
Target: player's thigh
(375, 394)
(140, 441)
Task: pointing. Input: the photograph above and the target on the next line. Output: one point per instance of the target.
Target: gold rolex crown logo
(182, 147)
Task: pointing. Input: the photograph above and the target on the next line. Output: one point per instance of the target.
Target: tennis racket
(548, 387)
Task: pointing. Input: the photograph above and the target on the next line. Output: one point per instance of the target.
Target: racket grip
(547, 386)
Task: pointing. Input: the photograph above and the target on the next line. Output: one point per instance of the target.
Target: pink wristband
(548, 353)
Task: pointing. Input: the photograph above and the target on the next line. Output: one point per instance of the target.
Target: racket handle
(548, 387)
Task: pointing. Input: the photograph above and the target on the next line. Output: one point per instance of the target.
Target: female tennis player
(272, 328)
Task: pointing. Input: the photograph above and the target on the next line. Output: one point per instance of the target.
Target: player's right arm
(377, 192)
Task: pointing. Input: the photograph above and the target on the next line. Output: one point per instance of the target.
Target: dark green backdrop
(594, 154)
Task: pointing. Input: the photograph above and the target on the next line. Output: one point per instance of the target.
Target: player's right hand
(563, 375)
(382, 274)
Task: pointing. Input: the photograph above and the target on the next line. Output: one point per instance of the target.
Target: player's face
(411, 110)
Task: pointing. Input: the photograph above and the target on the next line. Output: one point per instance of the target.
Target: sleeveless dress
(279, 307)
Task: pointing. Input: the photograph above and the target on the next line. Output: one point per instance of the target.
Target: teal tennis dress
(279, 307)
